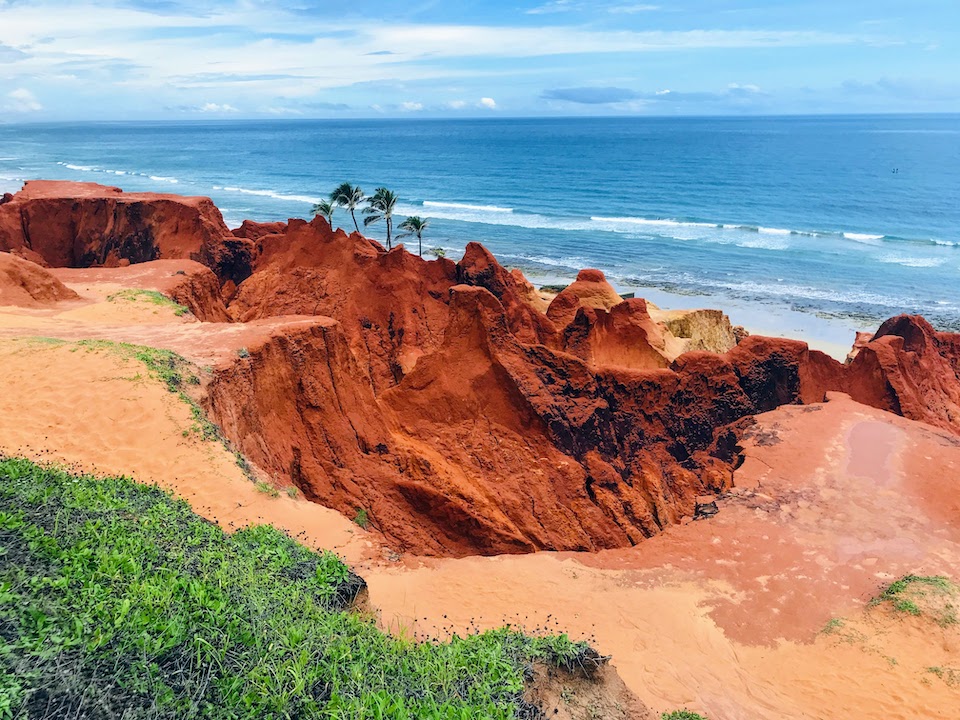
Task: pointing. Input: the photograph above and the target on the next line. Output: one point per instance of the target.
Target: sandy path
(99, 315)
(98, 412)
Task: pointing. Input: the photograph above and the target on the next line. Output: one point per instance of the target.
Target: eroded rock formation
(87, 225)
(441, 399)
(26, 284)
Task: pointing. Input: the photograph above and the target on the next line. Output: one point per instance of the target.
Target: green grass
(117, 601)
(152, 297)
(682, 715)
(833, 625)
(935, 596)
(362, 518)
(267, 489)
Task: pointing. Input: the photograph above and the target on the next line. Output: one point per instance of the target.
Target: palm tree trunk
(389, 223)
(354, 220)
(420, 242)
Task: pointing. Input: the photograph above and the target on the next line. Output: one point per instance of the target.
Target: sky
(64, 60)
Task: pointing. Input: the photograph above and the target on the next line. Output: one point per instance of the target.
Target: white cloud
(663, 92)
(488, 103)
(410, 106)
(631, 9)
(217, 108)
(748, 88)
(243, 53)
(22, 100)
(556, 6)
(562, 6)
(273, 110)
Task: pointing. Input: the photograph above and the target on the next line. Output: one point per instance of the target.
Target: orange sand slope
(723, 616)
(726, 615)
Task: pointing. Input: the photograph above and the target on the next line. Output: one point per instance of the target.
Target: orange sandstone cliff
(442, 400)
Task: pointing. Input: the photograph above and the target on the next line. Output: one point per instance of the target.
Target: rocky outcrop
(392, 306)
(26, 284)
(861, 340)
(492, 445)
(708, 330)
(625, 336)
(590, 290)
(88, 225)
(253, 230)
(518, 297)
(910, 369)
(190, 284)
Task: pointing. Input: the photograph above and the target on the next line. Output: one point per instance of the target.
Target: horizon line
(486, 117)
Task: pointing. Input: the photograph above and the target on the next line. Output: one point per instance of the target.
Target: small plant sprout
(361, 518)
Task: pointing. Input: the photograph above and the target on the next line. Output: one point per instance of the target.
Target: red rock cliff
(440, 399)
(87, 225)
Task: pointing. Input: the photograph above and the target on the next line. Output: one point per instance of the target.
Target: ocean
(814, 226)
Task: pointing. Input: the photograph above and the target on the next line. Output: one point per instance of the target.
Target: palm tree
(349, 197)
(381, 205)
(414, 226)
(324, 208)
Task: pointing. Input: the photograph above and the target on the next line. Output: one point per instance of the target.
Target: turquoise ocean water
(840, 219)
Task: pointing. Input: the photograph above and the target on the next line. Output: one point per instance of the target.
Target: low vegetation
(951, 676)
(117, 601)
(936, 597)
(149, 296)
(682, 715)
(362, 518)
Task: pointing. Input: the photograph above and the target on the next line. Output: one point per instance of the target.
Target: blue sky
(208, 59)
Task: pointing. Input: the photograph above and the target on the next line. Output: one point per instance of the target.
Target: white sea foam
(570, 263)
(771, 243)
(907, 261)
(863, 237)
(79, 168)
(775, 231)
(273, 194)
(652, 223)
(163, 178)
(811, 293)
(467, 206)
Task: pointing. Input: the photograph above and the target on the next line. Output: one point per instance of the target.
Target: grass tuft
(362, 518)
(117, 601)
(267, 489)
(934, 596)
(149, 296)
(682, 715)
